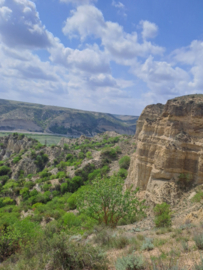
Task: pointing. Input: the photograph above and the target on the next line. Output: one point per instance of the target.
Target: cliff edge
(169, 148)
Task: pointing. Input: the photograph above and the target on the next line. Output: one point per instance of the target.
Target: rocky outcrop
(14, 144)
(169, 146)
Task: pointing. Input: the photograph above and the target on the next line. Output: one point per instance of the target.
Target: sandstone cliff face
(169, 147)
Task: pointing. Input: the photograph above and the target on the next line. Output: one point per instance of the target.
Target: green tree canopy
(105, 201)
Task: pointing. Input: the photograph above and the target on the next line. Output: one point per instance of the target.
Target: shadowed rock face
(169, 144)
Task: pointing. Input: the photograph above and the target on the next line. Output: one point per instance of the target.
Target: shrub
(46, 187)
(25, 193)
(65, 146)
(54, 250)
(17, 159)
(120, 242)
(5, 170)
(75, 183)
(9, 243)
(105, 201)
(124, 162)
(123, 173)
(104, 170)
(81, 155)
(69, 157)
(69, 220)
(198, 238)
(198, 197)
(29, 184)
(89, 155)
(130, 262)
(38, 146)
(61, 175)
(109, 152)
(4, 179)
(6, 201)
(94, 174)
(41, 160)
(72, 201)
(147, 244)
(64, 188)
(162, 215)
(44, 173)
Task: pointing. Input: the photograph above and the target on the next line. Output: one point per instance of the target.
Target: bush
(17, 159)
(81, 155)
(4, 179)
(120, 242)
(105, 201)
(29, 184)
(72, 201)
(69, 157)
(94, 174)
(64, 188)
(75, 183)
(147, 244)
(162, 215)
(5, 170)
(89, 155)
(65, 146)
(124, 162)
(6, 201)
(130, 262)
(44, 173)
(69, 220)
(109, 152)
(198, 197)
(41, 160)
(123, 173)
(198, 238)
(61, 175)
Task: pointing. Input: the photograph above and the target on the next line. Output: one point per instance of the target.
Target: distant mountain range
(29, 117)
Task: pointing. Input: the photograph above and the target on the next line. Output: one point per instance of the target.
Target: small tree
(105, 201)
(162, 215)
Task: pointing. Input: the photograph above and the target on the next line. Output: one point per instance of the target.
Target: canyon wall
(169, 145)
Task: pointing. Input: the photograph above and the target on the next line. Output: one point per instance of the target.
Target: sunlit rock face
(169, 144)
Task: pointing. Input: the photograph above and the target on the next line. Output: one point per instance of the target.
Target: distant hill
(29, 117)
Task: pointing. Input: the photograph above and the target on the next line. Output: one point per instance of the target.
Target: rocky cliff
(169, 148)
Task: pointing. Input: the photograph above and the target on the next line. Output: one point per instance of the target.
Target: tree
(105, 201)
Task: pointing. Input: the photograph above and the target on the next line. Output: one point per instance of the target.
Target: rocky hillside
(26, 158)
(30, 117)
(169, 148)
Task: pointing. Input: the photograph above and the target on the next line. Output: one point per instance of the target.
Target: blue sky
(100, 55)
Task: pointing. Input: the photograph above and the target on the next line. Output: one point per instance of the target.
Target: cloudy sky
(100, 55)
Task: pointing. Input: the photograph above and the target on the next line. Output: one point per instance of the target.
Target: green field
(48, 139)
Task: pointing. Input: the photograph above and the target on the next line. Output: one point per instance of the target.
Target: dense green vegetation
(34, 208)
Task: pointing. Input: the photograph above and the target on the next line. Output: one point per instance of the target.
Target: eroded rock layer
(169, 145)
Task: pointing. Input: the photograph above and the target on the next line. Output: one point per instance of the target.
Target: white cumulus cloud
(89, 21)
(20, 26)
(150, 30)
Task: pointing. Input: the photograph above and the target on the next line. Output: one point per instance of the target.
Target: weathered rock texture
(169, 147)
